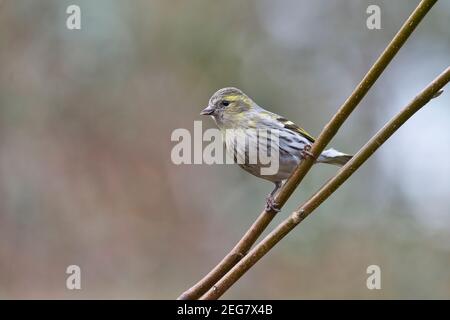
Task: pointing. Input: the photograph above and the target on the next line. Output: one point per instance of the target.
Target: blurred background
(86, 176)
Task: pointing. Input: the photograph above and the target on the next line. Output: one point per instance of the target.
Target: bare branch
(263, 220)
(431, 91)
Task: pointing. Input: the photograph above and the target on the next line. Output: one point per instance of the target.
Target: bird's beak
(207, 111)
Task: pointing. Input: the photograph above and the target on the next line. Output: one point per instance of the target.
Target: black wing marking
(293, 127)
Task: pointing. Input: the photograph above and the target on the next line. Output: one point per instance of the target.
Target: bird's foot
(271, 205)
(305, 153)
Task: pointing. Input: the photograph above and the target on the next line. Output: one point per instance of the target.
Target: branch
(431, 91)
(330, 130)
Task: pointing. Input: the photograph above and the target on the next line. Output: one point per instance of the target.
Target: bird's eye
(225, 103)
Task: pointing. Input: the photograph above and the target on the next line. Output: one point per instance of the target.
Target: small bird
(236, 114)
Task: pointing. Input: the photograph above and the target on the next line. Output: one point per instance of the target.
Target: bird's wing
(293, 127)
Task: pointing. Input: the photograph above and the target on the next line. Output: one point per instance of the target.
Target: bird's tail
(335, 157)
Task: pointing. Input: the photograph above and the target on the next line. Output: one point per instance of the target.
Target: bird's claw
(305, 153)
(271, 205)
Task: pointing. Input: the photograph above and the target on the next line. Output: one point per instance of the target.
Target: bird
(237, 115)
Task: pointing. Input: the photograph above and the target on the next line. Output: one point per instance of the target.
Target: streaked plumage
(237, 115)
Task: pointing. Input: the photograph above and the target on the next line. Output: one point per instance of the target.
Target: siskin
(235, 112)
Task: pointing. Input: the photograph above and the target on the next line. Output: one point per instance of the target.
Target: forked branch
(431, 91)
(263, 220)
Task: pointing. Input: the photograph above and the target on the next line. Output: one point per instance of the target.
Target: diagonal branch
(431, 91)
(263, 220)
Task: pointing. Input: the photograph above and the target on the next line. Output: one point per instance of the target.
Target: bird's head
(229, 106)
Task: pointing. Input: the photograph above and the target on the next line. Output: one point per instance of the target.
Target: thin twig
(431, 91)
(263, 220)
